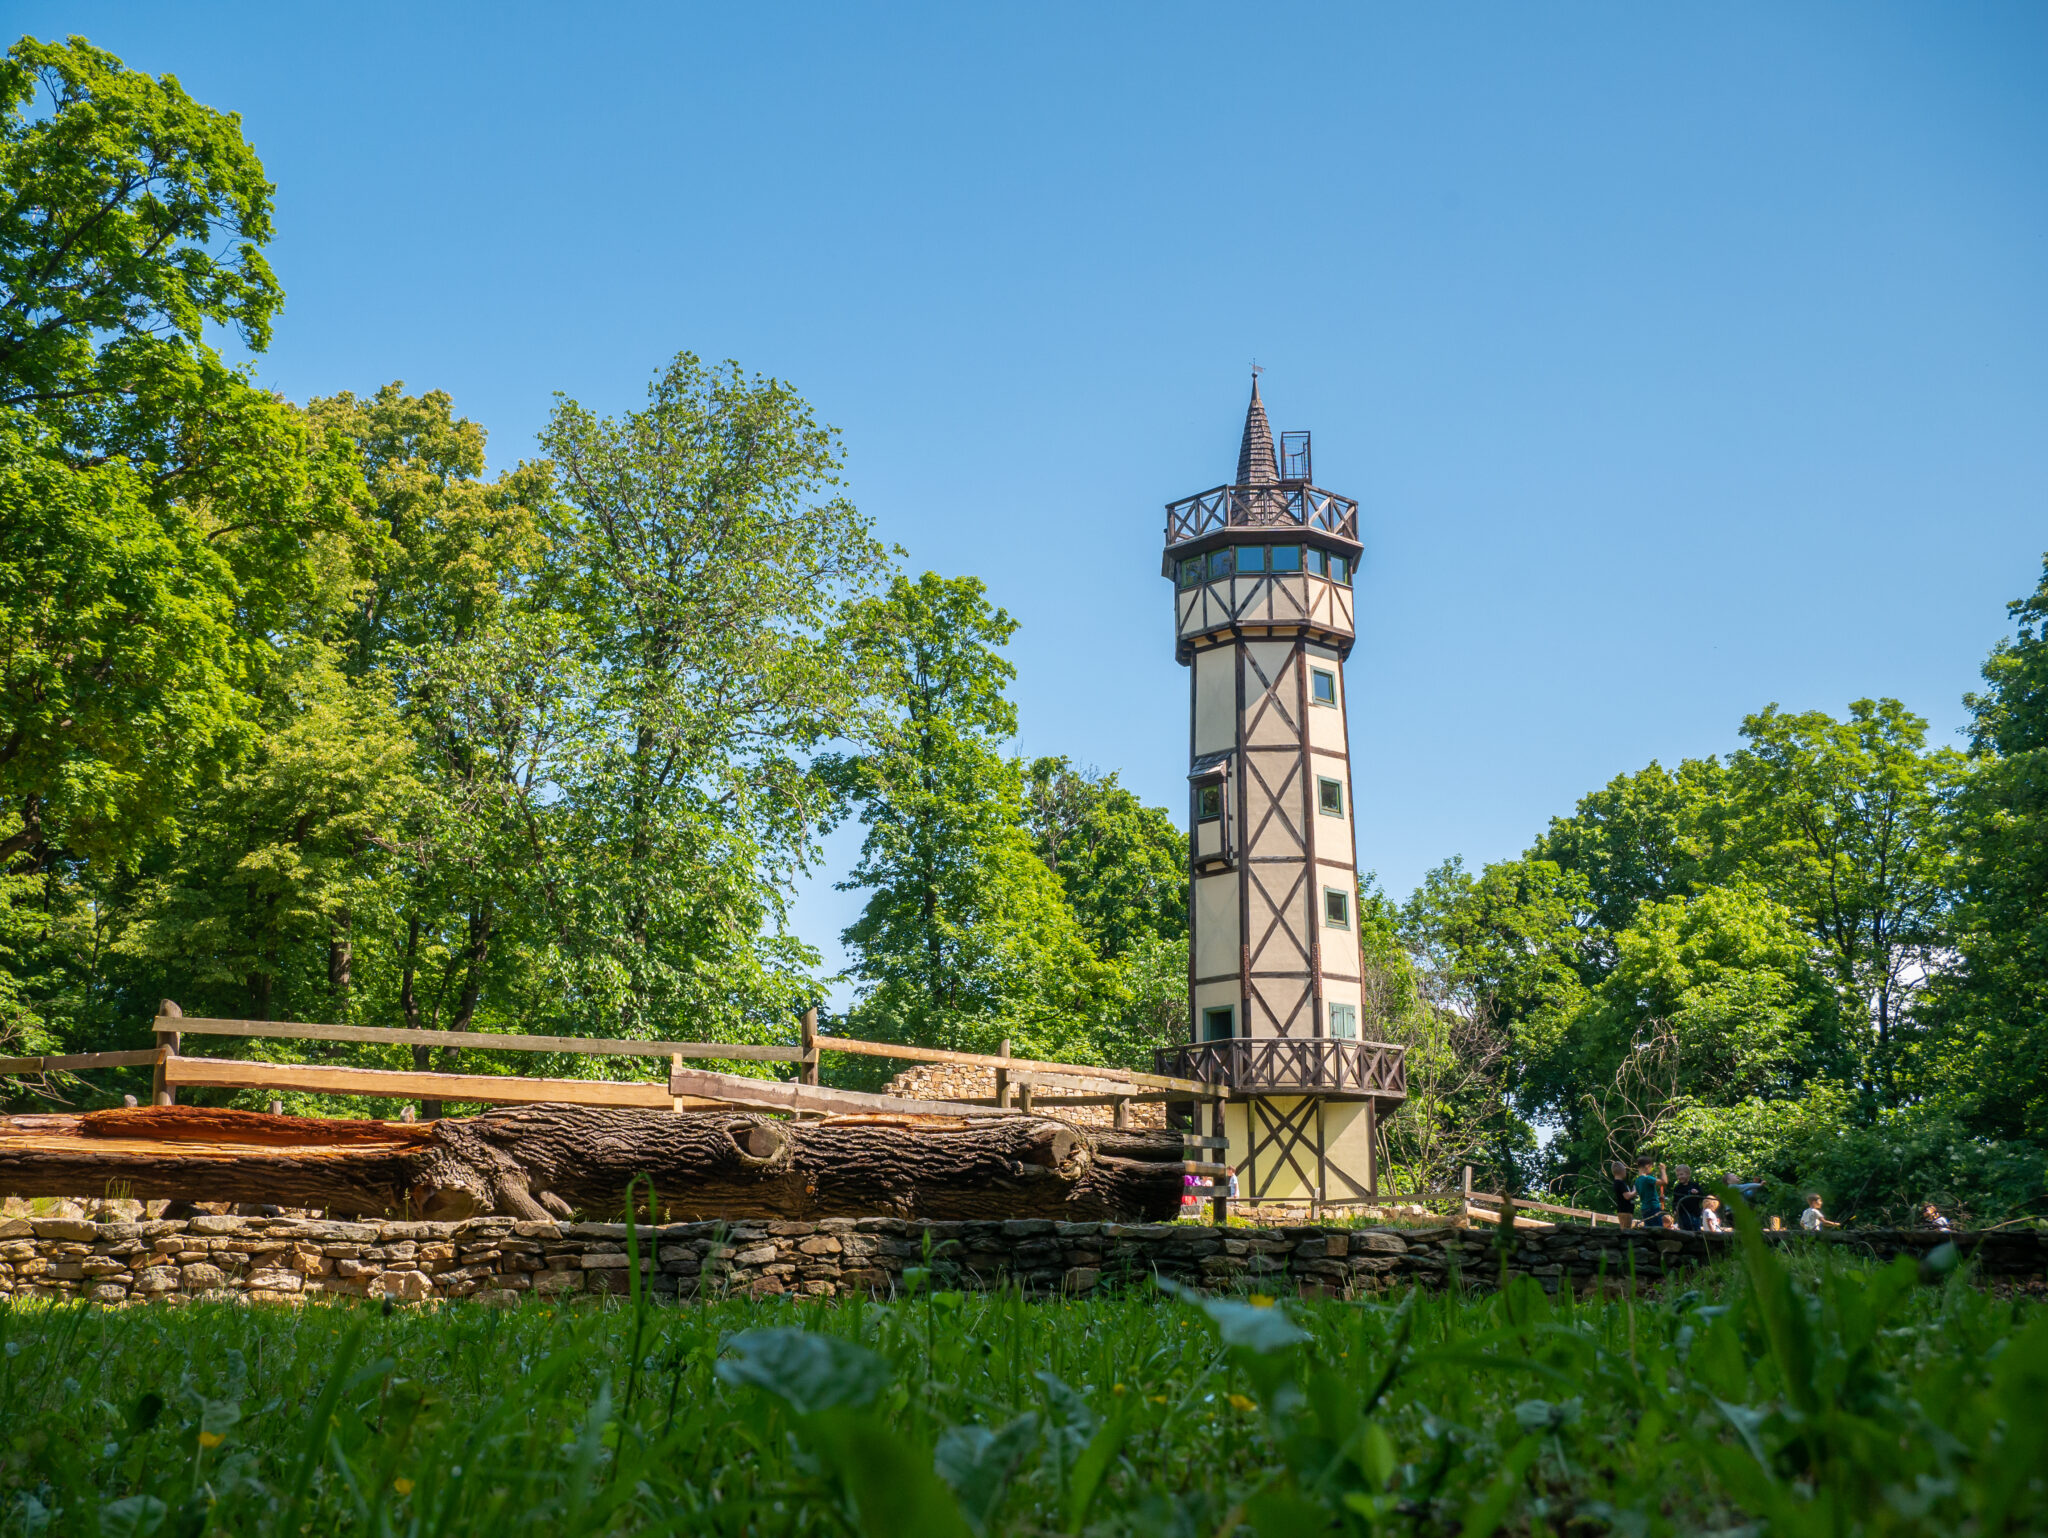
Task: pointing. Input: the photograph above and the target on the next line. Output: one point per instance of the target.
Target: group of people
(1657, 1198)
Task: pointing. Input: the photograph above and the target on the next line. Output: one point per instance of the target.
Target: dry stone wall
(955, 1081)
(500, 1260)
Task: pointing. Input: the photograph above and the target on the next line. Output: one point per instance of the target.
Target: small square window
(1284, 557)
(1322, 686)
(1330, 797)
(1251, 558)
(1316, 562)
(1336, 907)
(1191, 573)
(1344, 1022)
(1340, 569)
(1208, 802)
(1219, 564)
(1218, 1024)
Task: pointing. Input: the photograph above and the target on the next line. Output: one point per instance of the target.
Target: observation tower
(1262, 572)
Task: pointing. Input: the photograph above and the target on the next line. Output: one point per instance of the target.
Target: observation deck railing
(1263, 1065)
(1288, 504)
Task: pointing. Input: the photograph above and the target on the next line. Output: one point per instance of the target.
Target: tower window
(1340, 569)
(1330, 797)
(1317, 563)
(1209, 802)
(1251, 558)
(1191, 573)
(1336, 907)
(1344, 1022)
(1219, 564)
(1285, 557)
(1322, 686)
(1218, 1024)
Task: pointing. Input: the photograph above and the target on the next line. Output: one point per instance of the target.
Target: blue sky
(1683, 359)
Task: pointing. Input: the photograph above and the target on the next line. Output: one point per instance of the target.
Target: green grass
(1832, 1400)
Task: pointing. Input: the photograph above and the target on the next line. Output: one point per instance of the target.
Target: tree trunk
(554, 1160)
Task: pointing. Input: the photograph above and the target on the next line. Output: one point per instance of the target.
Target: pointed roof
(1256, 465)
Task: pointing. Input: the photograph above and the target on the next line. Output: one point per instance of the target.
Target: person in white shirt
(1812, 1220)
(1710, 1216)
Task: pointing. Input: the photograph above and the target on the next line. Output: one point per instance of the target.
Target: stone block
(822, 1244)
(107, 1292)
(216, 1223)
(275, 1279)
(551, 1282)
(202, 1276)
(155, 1280)
(16, 1228)
(408, 1286)
(760, 1255)
(75, 1229)
(1080, 1279)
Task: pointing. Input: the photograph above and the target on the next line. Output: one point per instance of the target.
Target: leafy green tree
(703, 556)
(1122, 864)
(1643, 837)
(1714, 1000)
(1989, 1057)
(967, 936)
(1844, 823)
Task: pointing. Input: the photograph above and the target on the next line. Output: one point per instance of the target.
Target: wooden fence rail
(1023, 1078)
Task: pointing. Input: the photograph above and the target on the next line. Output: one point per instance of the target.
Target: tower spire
(1256, 465)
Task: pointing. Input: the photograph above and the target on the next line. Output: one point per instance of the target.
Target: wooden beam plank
(71, 1062)
(774, 1095)
(1521, 1204)
(1016, 1064)
(589, 1046)
(216, 1073)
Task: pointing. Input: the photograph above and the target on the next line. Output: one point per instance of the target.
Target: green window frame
(1344, 1022)
(1330, 796)
(1219, 1022)
(1283, 558)
(1322, 686)
(1317, 562)
(1336, 908)
(1340, 570)
(1219, 564)
(1191, 573)
(1209, 801)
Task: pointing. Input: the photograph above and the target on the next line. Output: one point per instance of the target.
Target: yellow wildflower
(1239, 1402)
(1117, 1388)
(402, 1486)
(1260, 1300)
(211, 1439)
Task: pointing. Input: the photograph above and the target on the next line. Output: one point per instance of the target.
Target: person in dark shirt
(1624, 1193)
(1686, 1195)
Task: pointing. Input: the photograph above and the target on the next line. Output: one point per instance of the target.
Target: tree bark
(547, 1161)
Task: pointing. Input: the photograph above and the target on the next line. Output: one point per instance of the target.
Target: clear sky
(1684, 359)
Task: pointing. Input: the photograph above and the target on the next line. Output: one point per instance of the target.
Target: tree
(1122, 864)
(967, 937)
(1989, 1057)
(1714, 1000)
(1643, 837)
(701, 554)
(1844, 823)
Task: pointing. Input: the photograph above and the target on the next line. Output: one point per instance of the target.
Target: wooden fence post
(1465, 1206)
(1219, 1185)
(1003, 1076)
(161, 1093)
(1122, 1120)
(807, 1065)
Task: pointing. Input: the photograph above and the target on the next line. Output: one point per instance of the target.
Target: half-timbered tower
(1263, 572)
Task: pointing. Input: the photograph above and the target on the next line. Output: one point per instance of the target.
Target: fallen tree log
(541, 1161)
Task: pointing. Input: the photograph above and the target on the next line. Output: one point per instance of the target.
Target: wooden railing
(1022, 1085)
(1264, 1065)
(1289, 504)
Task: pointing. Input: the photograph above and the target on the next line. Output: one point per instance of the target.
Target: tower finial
(1256, 464)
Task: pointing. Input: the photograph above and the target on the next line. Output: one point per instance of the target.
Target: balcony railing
(1286, 1065)
(1291, 504)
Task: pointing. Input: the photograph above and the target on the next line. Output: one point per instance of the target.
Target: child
(1930, 1217)
(1649, 1192)
(1811, 1219)
(1710, 1216)
(1624, 1193)
(1686, 1195)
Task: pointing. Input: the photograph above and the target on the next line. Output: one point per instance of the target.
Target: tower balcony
(1330, 1066)
(1285, 505)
